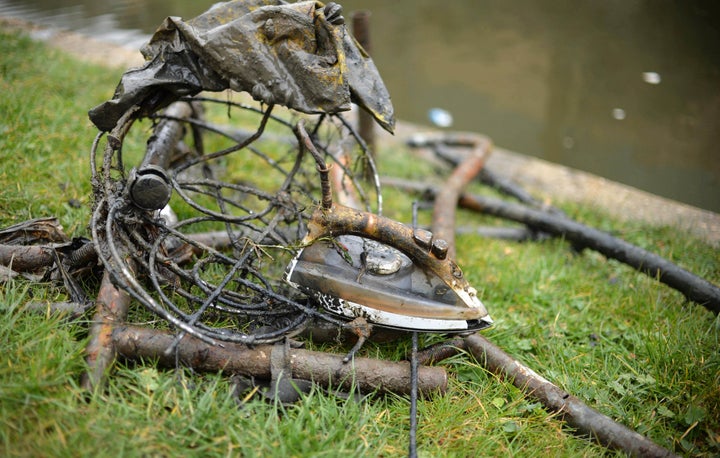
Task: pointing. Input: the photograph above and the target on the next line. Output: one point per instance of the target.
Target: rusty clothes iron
(354, 277)
(298, 55)
(408, 283)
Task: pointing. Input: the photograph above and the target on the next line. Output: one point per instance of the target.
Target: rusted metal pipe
(149, 186)
(167, 135)
(326, 369)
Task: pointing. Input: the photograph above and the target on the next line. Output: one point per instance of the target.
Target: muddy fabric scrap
(298, 55)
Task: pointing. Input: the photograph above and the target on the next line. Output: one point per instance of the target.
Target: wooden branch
(26, 258)
(694, 288)
(323, 368)
(443, 222)
(586, 420)
(440, 351)
(111, 309)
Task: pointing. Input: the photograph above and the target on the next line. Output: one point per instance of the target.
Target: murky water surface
(626, 89)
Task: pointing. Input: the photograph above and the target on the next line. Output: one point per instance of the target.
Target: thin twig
(412, 447)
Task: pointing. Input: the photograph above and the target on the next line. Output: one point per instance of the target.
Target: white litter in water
(618, 113)
(440, 117)
(651, 77)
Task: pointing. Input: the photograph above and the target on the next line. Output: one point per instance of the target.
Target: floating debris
(651, 77)
(618, 113)
(440, 117)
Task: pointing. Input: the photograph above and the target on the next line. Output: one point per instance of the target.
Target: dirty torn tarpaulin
(298, 55)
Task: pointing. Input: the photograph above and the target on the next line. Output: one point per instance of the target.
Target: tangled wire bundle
(200, 232)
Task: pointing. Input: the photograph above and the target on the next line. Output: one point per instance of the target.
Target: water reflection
(627, 89)
(567, 81)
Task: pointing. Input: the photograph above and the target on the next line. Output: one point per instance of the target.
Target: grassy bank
(625, 344)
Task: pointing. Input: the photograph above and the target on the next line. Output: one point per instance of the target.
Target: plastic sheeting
(298, 55)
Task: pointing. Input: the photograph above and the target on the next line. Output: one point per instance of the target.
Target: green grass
(625, 344)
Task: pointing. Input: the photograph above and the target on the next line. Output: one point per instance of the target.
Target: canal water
(625, 89)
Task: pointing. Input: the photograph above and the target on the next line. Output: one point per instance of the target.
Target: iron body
(355, 277)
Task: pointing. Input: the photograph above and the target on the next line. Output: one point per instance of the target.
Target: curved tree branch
(586, 420)
(694, 288)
